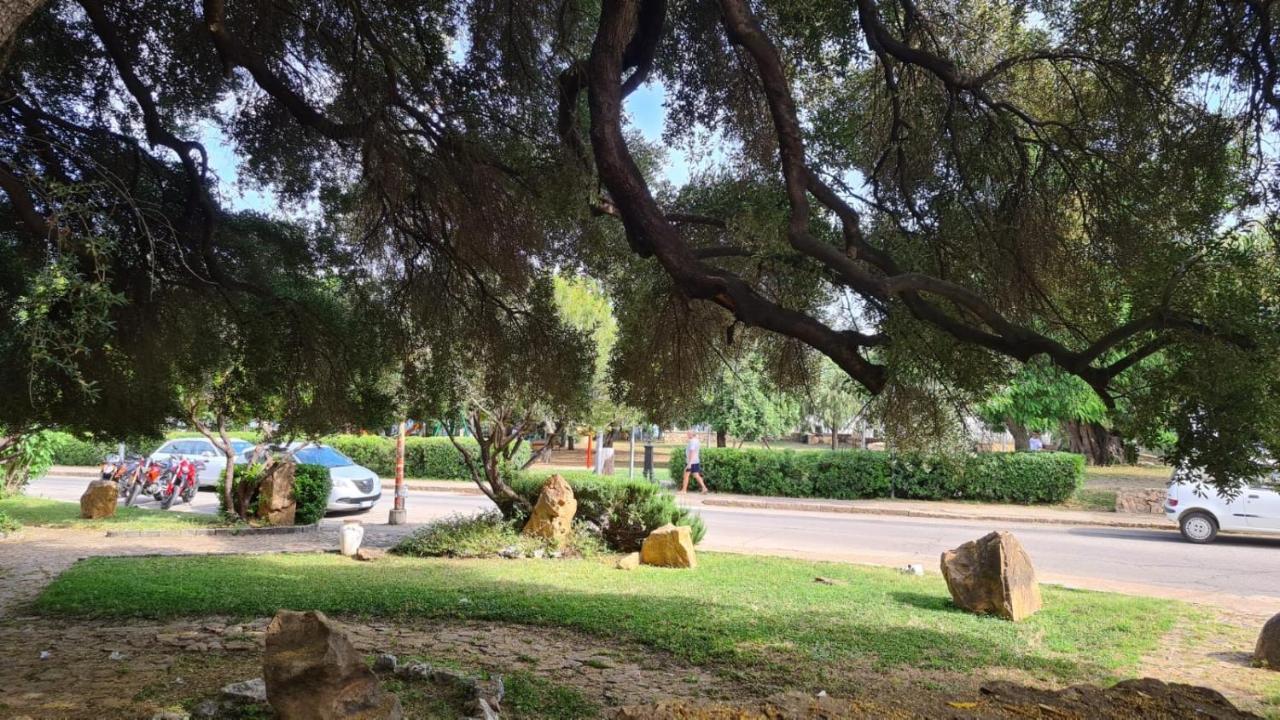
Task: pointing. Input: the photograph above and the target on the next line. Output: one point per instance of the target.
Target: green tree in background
(1042, 398)
(835, 400)
(743, 404)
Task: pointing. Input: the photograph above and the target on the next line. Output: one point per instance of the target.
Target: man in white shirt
(693, 463)
(1035, 444)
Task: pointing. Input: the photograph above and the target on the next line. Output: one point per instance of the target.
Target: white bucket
(350, 537)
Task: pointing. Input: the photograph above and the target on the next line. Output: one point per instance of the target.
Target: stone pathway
(129, 669)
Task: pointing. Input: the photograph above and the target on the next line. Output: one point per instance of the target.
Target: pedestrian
(1035, 444)
(693, 463)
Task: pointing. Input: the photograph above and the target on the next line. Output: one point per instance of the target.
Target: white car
(355, 487)
(1202, 512)
(200, 449)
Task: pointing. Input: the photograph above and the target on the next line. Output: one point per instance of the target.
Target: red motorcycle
(178, 479)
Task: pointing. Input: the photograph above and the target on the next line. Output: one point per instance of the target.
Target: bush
(244, 494)
(424, 457)
(490, 535)
(853, 474)
(8, 525)
(69, 449)
(311, 488)
(623, 511)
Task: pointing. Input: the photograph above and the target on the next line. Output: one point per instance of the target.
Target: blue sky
(644, 109)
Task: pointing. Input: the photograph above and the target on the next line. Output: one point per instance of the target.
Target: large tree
(975, 183)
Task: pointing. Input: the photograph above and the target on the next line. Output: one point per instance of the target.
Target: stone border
(282, 530)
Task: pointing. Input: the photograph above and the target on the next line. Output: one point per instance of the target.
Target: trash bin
(648, 461)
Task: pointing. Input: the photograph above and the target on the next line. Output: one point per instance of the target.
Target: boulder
(552, 516)
(1141, 501)
(629, 562)
(276, 503)
(99, 500)
(313, 672)
(669, 546)
(1267, 653)
(368, 554)
(992, 575)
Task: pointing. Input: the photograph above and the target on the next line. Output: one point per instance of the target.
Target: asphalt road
(1242, 572)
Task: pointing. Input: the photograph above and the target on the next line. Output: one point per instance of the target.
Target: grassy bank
(38, 512)
(739, 613)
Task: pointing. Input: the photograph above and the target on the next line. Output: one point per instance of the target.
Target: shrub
(244, 494)
(429, 457)
(311, 487)
(623, 511)
(490, 535)
(853, 474)
(8, 525)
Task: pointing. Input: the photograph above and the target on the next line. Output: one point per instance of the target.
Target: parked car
(355, 487)
(201, 449)
(1202, 512)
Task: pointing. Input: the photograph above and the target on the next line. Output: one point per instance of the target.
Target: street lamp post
(398, 513)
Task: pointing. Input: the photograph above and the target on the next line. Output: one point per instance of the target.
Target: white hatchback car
(355, 487)
(200, 449)
(1201, 511)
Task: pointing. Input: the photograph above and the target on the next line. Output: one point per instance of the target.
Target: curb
(204, 532)
(893, 512)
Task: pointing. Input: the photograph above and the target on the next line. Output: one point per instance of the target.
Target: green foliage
(1041, 397)
(467, 536)
(8, 525)
(23, 457)
(834, 398)
(854, 474)
(244, 491)
(490, 535)
(532, 696)
(434, 458)
(743, 404)
(311, 487)
(623, 511)
(585, 307)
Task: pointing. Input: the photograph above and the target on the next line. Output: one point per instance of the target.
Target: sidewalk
(889, 508)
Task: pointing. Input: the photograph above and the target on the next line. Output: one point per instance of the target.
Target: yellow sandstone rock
(99, 500)
(552, 516)
(669, 546)
(629, 562)
(992, 575)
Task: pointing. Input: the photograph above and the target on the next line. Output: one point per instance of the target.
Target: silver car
(200, 449)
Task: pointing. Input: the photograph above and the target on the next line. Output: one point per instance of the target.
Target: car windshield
(240, 445)
(322, 455)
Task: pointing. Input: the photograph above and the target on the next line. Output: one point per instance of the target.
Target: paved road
(1240, 572)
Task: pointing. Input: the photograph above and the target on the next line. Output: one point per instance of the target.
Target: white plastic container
(350, 537)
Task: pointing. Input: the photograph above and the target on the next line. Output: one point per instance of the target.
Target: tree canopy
(927, 193)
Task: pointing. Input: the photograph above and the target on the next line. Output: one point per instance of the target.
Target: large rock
(552, 516)
(276, 502)
(992, 575)
(1267, 654)
(99, 500)
(630, 561)
(313, 672)
(669, 546)
(1145, 502)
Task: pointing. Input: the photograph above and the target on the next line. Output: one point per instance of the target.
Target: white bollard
(350, 537)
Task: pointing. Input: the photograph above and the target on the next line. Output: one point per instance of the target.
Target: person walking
(693, 463)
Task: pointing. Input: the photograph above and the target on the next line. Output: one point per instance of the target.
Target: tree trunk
(1021, 438)
(1094, 442)
(720, 438)
(12, 14)
(835, 438)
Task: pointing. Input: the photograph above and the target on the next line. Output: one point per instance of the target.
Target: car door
(213, 459)
(1262, 503)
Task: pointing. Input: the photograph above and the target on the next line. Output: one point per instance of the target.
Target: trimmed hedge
(424, 457)
(1026, 478)
(69, 449)
(625, 511)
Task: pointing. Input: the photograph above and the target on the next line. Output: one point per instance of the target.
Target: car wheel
(1199, 527)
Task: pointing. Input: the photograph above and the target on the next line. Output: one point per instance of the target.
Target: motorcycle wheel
(188, 493)
(166, 498)
(131, 493)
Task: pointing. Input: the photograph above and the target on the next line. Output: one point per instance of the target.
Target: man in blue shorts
(693, 463)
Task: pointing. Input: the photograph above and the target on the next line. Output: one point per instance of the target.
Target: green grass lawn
(39, 512)
(764, 617)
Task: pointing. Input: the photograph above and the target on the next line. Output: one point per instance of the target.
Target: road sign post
(398, 512)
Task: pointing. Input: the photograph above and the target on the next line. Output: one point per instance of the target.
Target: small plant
(475, 536)
(8, 525)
